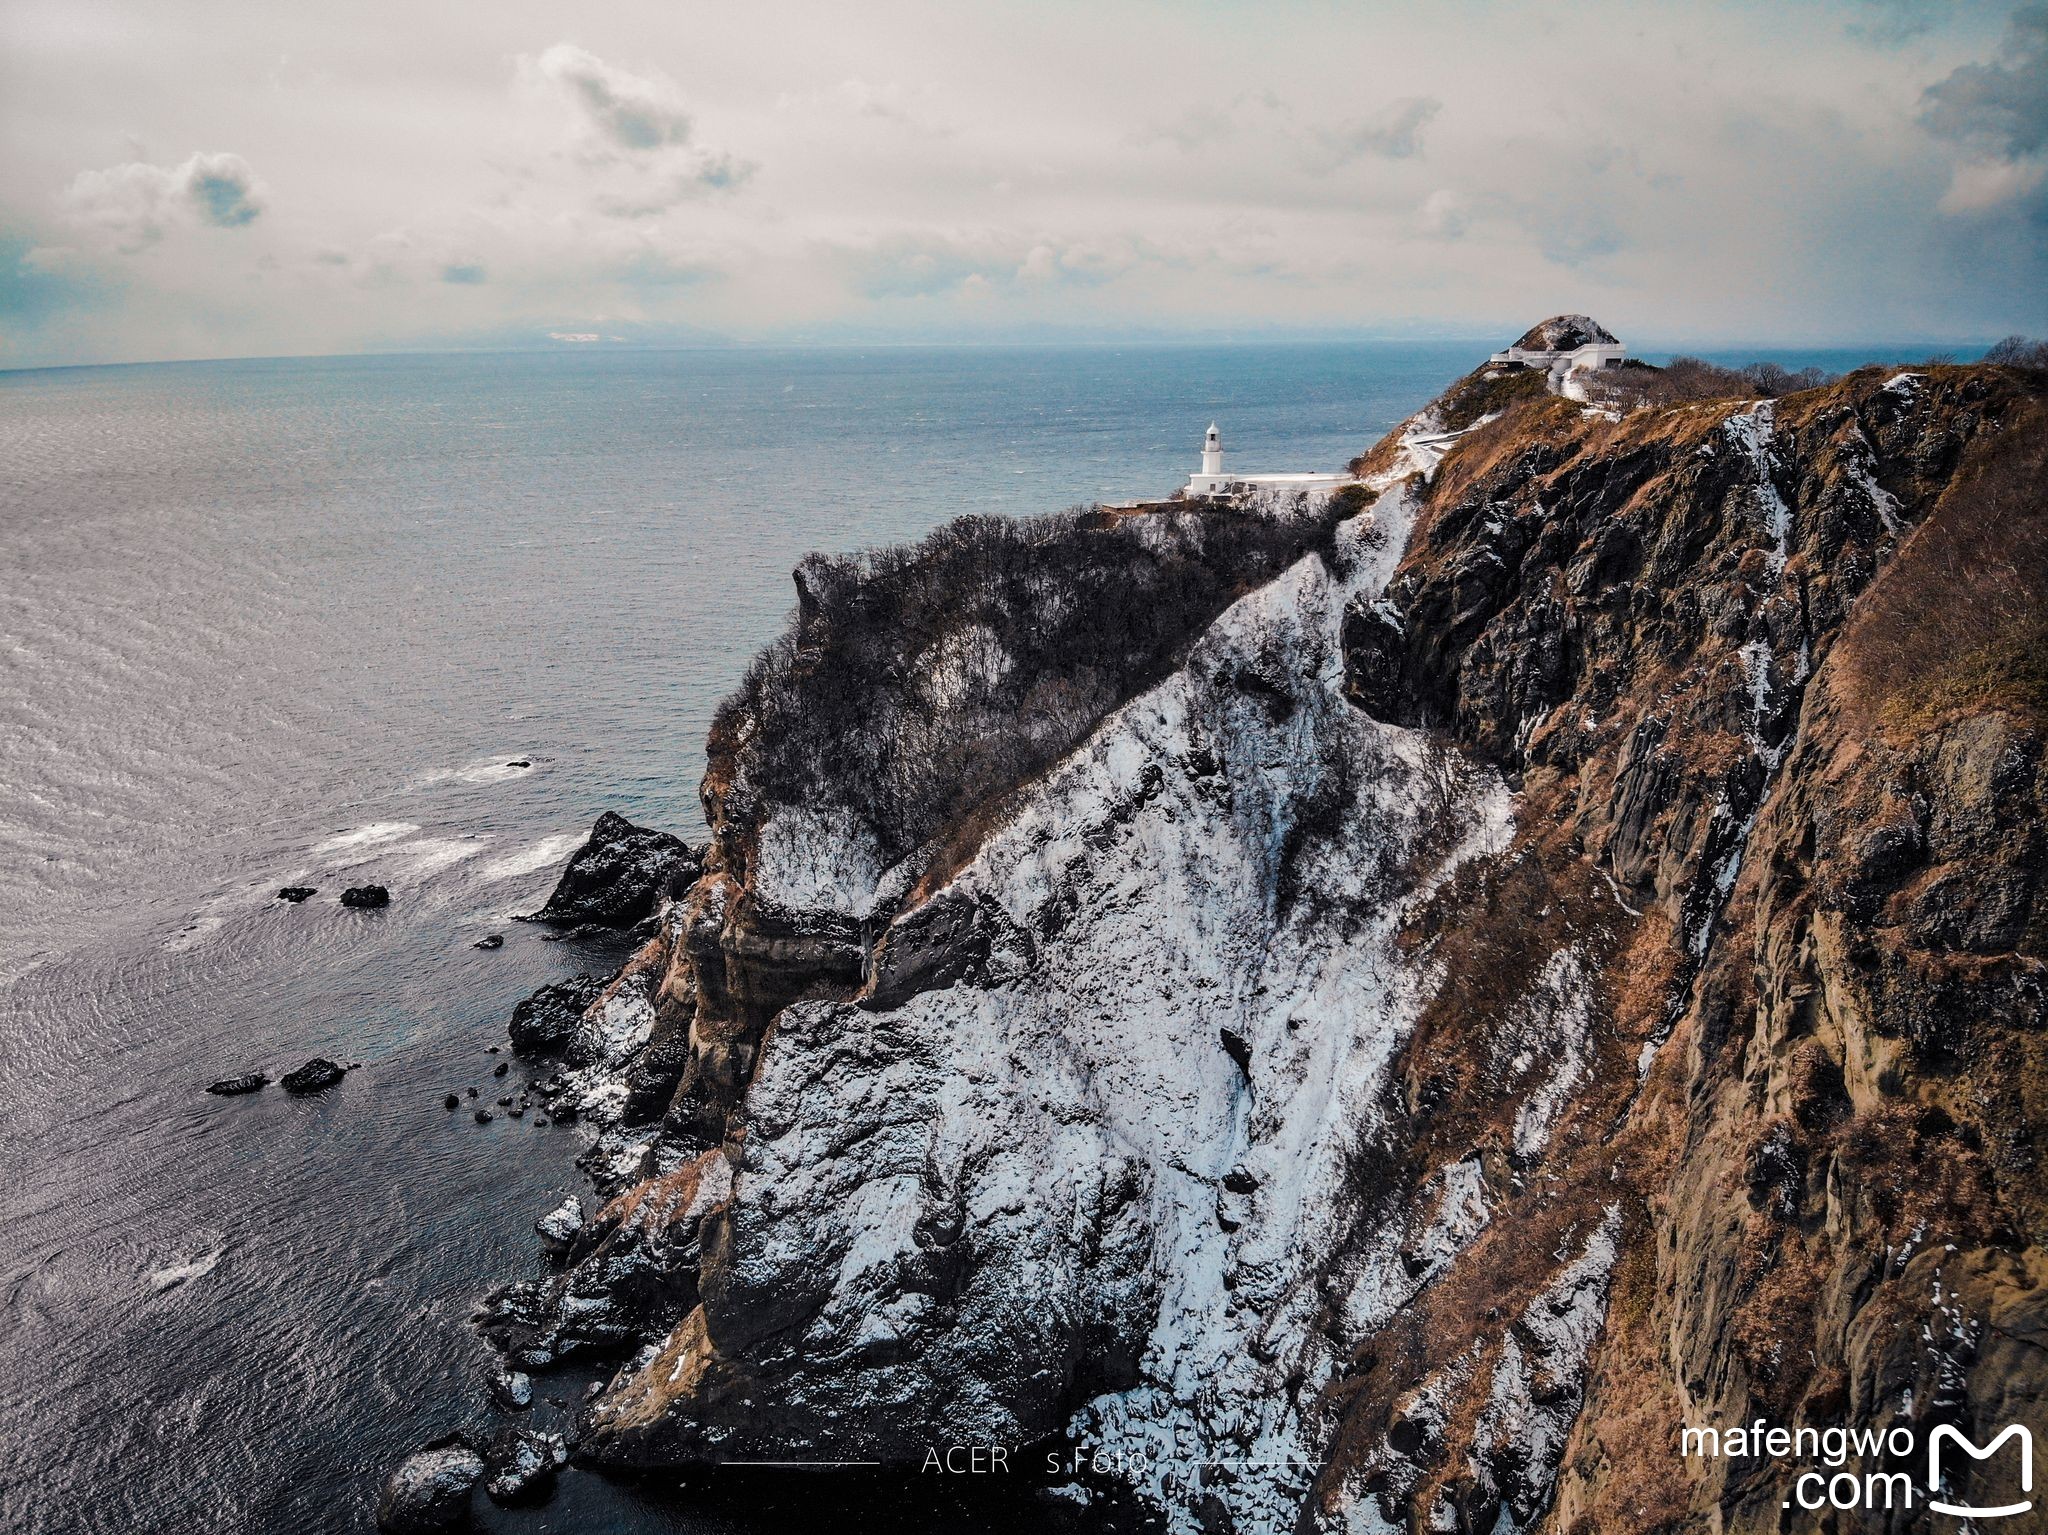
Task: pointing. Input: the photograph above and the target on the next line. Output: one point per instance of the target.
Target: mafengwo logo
(1936, 1478)
(1843, 1479)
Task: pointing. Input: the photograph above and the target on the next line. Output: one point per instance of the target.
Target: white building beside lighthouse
(1214, 482)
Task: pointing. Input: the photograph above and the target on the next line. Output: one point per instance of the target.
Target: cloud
(1892, 23)
(638, 127)
(1445, 215)
(137, 204)
(1983, 186)
(1393, 133)
(463, 273)
(631, 112)
(2001, 107)
(1998, 112)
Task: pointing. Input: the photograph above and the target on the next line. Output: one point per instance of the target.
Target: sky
(216, 178)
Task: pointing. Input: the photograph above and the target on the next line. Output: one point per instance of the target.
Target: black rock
(542, 1024)
(430, 1490)
(520, 762)
(483, 1116)
(315, 1076)
(523, 1463)
(620, 876)
(504, 1103)
(494, 941)
(540, 1124)
(472, 1092)
(451, 1102)
(295, 893)
(366, 897)
(512, 1390)
(501, 1068)
(230, 1087)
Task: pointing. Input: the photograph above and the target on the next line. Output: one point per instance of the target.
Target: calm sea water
(290, 622)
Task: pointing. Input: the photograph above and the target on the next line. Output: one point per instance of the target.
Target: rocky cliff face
(1372, 1017)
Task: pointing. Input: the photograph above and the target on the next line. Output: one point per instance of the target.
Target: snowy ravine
(1134, 1134)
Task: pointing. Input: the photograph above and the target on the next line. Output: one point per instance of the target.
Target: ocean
(416, 620)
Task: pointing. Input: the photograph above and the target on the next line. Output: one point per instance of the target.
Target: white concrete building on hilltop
(1562, 346)
(1213, 481)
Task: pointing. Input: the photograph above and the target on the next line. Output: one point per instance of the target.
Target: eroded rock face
(1399, 1064)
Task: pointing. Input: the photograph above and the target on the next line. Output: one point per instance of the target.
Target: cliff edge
(1373, 1015)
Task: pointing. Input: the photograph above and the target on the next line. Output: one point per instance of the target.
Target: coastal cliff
(1369, 1014)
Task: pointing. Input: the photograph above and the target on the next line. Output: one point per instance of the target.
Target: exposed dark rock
(545, 1021)
(248, 1082)
(501, 1068)
(512, 1390)
(452, 1101)
(522, 1465)
(620, 875)
(430, 1490)
(484, 1116)
(366, 897)
(315, 1076)
(295, 893)
(1564, 333)
(561, 1225)
(491, 941)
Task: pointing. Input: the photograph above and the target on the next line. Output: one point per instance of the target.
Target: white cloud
(1984, 186)
(633, 113)
(638, 128)
(137, 204)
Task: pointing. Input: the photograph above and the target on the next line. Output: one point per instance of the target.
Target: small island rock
(230, 1087)
(315, 1076)
(295, 893)
(366, 897)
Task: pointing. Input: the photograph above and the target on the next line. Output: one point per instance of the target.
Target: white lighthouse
(1212, 482)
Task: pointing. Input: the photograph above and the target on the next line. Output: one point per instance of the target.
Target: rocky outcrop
(366, 897)
(234, 1087)
(317, 1075)
(620, 875)
(429, 1492)
(1518, 967)
(1564, 333)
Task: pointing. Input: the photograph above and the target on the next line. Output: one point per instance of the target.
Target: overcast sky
(237, 178)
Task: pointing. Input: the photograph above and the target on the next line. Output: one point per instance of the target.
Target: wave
(531, 860)
(483, 770)
(376, 834)
(185, 1268)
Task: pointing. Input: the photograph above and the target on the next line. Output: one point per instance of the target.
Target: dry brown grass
(1957, 623)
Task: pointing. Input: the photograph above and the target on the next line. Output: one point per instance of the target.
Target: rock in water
(620, 875)
(542, 1024)
(315, 1076)
(512, 1390)
(231, 1087)
(493, 941)
(366, 897)
(523, 1463)
(430, 1490)
(558, 1228)
(295, 893)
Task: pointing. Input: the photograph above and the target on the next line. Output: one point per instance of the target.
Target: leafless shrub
(920, 681)
(2020, 352)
